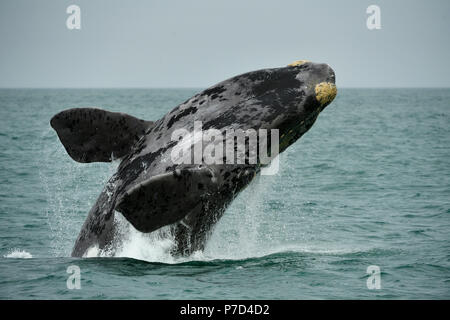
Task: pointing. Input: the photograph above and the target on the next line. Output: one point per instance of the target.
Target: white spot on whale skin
(18, 254)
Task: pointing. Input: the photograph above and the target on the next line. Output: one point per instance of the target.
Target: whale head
(318, 79)
(288, 98)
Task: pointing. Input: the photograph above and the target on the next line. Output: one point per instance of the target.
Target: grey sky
(195, 43)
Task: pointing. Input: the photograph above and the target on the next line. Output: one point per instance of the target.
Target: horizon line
(182, 87)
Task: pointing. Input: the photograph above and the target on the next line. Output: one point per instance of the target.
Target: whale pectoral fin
(166, 198)
(95, 135)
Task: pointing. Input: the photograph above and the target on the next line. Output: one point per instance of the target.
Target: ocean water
(368, 185)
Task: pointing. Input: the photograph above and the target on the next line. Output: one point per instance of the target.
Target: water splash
(248, 228)
(243, 231)
(18, 254)
(68, 188)
(131, 243)
(242, 235)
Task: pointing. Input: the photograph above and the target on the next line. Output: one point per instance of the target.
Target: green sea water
(368, 185)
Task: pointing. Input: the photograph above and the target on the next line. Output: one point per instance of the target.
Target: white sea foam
(18, 254)
(152, 247)
(92, 252)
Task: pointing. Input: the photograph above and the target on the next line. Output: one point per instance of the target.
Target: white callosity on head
(298, 63)
(325, 92)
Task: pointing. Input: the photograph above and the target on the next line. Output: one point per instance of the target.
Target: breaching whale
(150, 190)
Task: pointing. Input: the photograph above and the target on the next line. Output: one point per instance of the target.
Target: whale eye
(298, 63)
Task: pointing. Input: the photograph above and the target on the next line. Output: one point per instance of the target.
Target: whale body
(150, 190)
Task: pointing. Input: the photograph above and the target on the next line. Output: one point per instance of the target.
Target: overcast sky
(196, 43)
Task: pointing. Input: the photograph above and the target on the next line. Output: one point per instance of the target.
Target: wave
(18, 254)
(156, 247)
(284, 255)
